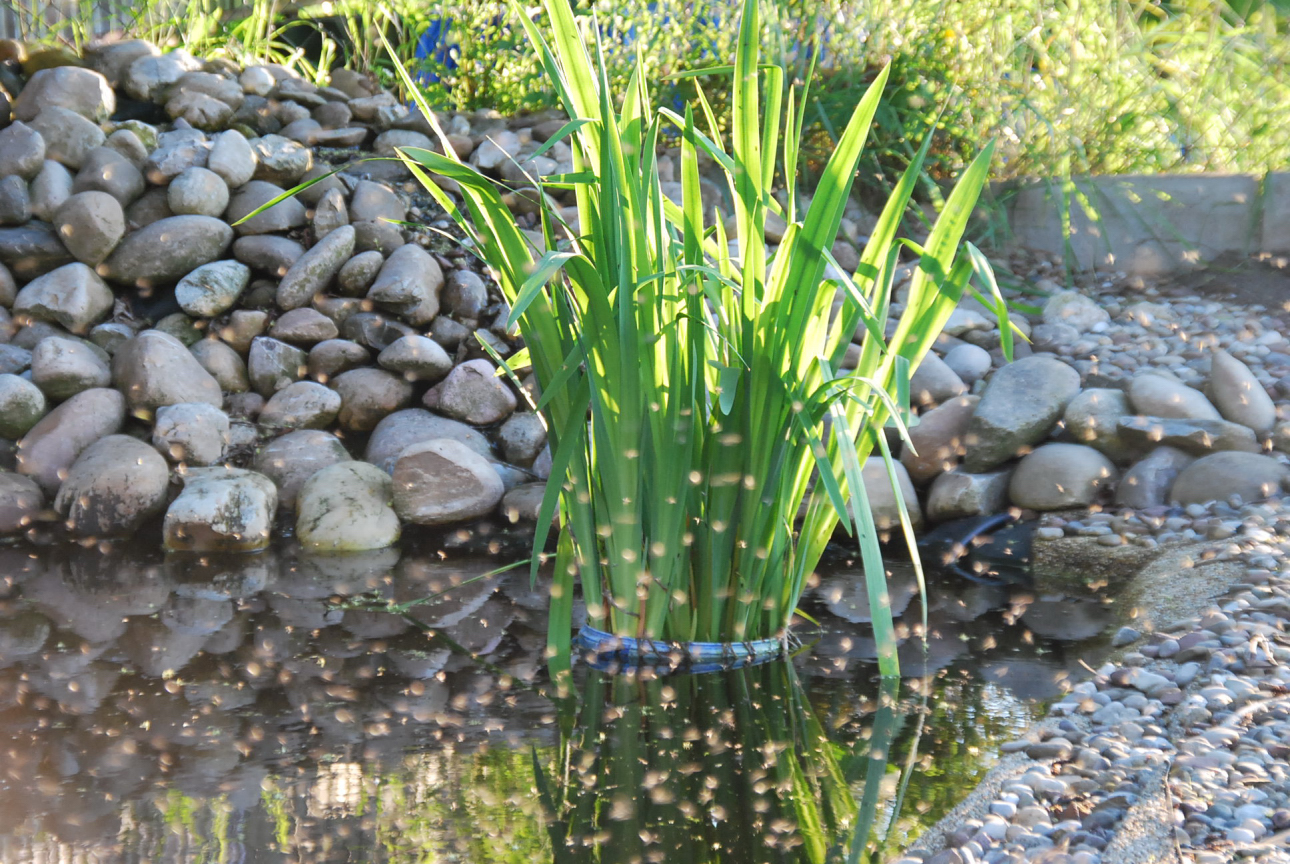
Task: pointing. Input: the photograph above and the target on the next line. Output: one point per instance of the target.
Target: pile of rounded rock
(157, 358)
(1128, 407)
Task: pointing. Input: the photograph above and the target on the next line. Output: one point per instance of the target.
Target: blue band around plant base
(608, 652)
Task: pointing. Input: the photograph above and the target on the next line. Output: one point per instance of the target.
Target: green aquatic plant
(694, 394)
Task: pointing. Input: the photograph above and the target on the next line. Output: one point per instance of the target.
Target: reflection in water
(214, 710)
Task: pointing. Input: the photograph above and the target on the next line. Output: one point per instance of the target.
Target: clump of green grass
(691, 395)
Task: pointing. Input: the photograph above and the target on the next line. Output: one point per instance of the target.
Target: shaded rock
(32, 250)
(933, 382)
(68, 136)
(315, 270)
(522, 438)
(194, 433)
(21, 500)
(115, 485)
(152, 206)
(22, 404)
(14, 359)
(168, 249)
(212, 288)
(346, 508)
(73, 296)
(47, 451)
(1220, 475)
(295, 457)
(938, 438)
(957, 494)
(1148, 482)
(223, 363)
(113, 59)
(368, 396)
(267, 253)
(359, 272)
(475, 394)
(282, 216)
(1057, 476)
(197, 192)
(402, 429)
(416, 358)
(1093, 418)
(15, 203)
(81, 90)
(882, 498)
(1238, 395)
(176, 152)
(383, 237)
(1192, 436)
(221, 510)
(61, 368)
(464, 294)
(374, 330)
(302, 405)
(22, 151)
(91, 224)
(155, 369)
(1021, 403)
(303, 327)
(969, 362)
(273, 365)
(372, 201)
(330, 358)
(523, 503)
(442, 481)
(1160, 396)
(199, 110)
(330, 213)
(106, 170)
(409, 284)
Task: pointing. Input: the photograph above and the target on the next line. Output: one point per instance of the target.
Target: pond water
(271, 709)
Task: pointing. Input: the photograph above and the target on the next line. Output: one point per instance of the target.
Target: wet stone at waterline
(284, 699)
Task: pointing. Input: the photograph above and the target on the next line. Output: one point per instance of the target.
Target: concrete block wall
(1154, 224)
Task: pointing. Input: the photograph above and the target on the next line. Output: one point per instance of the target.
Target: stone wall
(1150, 225)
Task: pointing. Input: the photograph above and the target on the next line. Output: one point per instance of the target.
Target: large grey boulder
(61, 368)
(32, 250)
(195, 433)
(77, 89)
(1058, 476)
(1148, 482)
(522, 438)
(295, 457)
(280, 160)
(1021, 403)
(50, 190)
(221, 510)
(346, 508)
(197, 192)
(1093, 418)
(113, 487)
(149, 76)
(73, 296)
(938, 440)
(232, 158)
(22, 404)
(442, 481)
(315, 270)
(934, 382)
(411, 426)
(47, 451)
(1239, 396)
(105, 170)
(416, 358)
(957, 494)
(68, 136)
(168, 249)
(155, 369)
(474, 393)
(1219, 476)
(223, 363)
(283, 216)
(1159, 395)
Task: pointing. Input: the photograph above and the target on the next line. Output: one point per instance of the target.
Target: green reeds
(694, 397)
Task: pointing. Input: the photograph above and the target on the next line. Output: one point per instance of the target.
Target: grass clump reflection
(692, 382)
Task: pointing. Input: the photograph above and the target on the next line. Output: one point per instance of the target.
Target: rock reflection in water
(273, 708)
